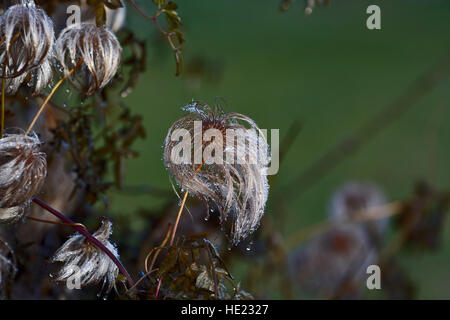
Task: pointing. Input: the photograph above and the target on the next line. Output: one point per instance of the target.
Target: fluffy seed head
(333, 264)
(79, 256)
(237, 185)
(26, 50)
(352, 201)
(23, 168)
(93, 51)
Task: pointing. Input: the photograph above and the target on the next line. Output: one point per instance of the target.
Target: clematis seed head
(93, 266)
(237, 185)
(93, 52)
(23, 168)
(26, 50)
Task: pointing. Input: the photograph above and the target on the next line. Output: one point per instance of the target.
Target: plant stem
(176, 226)
(57, 223)
(88, 236)
(172, 238)
(46, 102)
(365, 215)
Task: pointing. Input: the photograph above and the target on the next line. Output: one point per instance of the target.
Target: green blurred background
(327, 70)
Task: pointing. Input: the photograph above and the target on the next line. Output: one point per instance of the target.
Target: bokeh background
(327, 71)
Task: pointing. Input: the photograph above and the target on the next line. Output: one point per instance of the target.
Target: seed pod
(23, 168)
(80, 257)
(232, 173)
(26, 50)
(94, 52)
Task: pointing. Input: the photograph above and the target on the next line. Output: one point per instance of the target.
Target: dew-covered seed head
(23, 169)
(26, 50)
(237, 185)
(92, 265)
(93, 52)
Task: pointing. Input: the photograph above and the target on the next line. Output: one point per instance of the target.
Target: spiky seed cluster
(80, 256)
(93, 51)
(26, 50)
(353, 200)
(238, 188)
(23, 168)
(334, 263)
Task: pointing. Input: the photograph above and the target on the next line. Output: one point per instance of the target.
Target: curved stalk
(88, 236)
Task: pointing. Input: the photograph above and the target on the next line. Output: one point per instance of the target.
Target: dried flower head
(334, 264)
(23, 168)
(93, 51)
(232, 169)
(79, 256)
(354, 200)
(7, 264)
(26, 50)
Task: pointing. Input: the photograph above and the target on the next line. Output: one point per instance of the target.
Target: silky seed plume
(80, 256)
(93, 51)
(23, 169)
(237, 185)
(26, 50)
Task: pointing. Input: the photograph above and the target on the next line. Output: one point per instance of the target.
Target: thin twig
(58, 84)
(423, 85)
(57, 223)
(149, 270)
(370, 214)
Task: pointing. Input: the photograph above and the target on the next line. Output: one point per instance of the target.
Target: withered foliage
(422, 220)
(191, 269)
(96, 154)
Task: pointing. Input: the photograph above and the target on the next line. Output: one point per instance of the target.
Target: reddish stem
(146, 16)
(88, 236)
